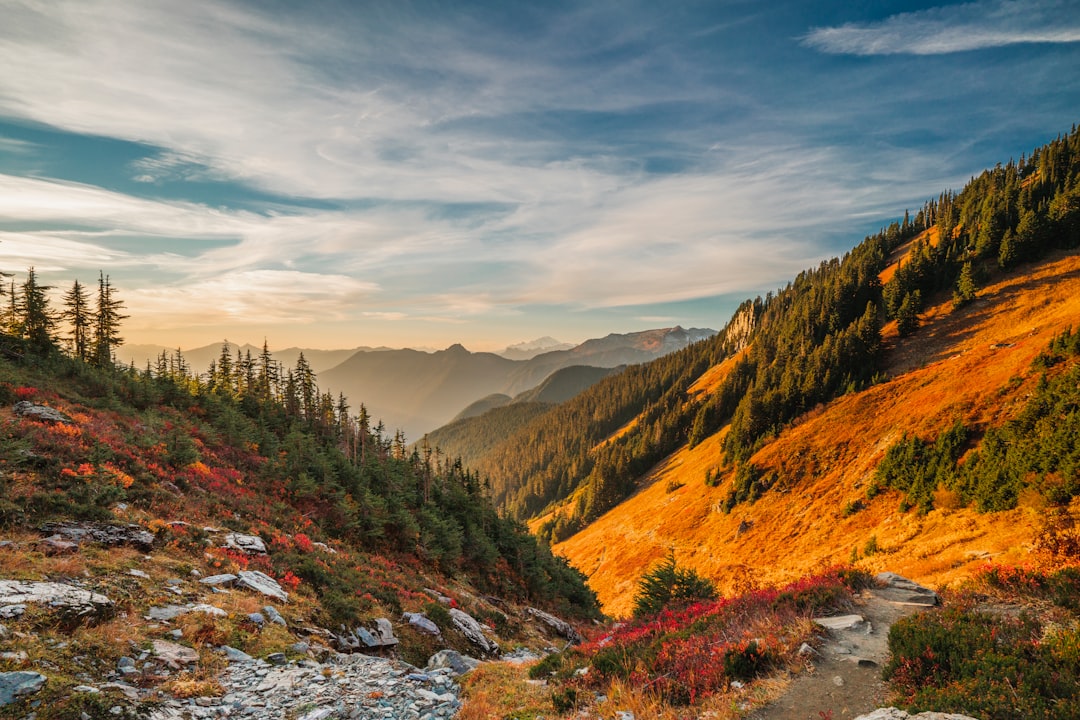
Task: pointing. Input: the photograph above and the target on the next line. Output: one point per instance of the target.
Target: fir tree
(107, 323)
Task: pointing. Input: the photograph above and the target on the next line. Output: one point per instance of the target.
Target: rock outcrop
(69, 601)
(470, 628)
(561, 627)
(111, 535)
(41, 413)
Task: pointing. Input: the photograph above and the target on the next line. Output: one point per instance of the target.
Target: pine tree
(78, 315)
(907, 315)
(37, 321)
(107, 323)
(965, 286)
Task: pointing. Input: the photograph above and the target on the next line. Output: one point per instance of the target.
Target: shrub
(667, 583)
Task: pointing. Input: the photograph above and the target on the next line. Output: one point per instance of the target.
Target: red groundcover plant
(688, 652)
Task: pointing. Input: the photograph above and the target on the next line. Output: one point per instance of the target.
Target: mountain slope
(973, 364)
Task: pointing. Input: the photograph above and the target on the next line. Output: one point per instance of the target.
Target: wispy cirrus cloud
(954, 28)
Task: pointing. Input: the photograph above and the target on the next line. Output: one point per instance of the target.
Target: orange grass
(959, 365)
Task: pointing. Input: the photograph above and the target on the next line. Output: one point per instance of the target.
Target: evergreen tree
(78, 315)
(907, 315)
(667, 583)
(965, 286)
(107, 323)
(37, 321)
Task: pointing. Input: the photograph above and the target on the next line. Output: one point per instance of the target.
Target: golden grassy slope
(971, 364)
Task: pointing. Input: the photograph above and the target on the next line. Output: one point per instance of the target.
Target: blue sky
(334, 174)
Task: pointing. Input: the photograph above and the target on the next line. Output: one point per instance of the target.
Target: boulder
(70, 601)
(41, 413)
(250, 544)
(14, 685)
(360, 638)
(470, 628)
(273, 615)
(892, 713)
(898, 589)
(215, 580)
(561, 627)
(101, 533)
(421, 622)
(457, 663)
(263, 583)
(173, 655)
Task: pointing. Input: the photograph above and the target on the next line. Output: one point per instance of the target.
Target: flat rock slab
(41, 413)
(70, 600)
(898, 589)
(14, 685)
(250, 544)
(421, 622)
(892, 713)
(263, 583)
(843, 622)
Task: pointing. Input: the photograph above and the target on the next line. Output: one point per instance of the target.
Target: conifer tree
(37, 321)
(965, 286)
(107, 323)
(79, 316)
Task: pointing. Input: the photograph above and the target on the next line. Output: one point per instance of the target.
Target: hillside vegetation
(922, 470)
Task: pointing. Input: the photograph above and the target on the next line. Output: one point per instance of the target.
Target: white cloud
(255, 297)
(955, 28)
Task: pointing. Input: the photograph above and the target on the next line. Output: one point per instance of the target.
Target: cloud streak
(952, 29)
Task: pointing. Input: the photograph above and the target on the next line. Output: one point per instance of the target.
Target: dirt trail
(844, 679)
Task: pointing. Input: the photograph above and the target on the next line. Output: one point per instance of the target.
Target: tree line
(337, 468)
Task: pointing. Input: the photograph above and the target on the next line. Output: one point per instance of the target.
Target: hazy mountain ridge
(418, 392)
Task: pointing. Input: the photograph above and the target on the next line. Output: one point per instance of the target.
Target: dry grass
(972, 364)
(503, 690)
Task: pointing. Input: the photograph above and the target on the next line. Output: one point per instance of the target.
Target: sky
(335, 174)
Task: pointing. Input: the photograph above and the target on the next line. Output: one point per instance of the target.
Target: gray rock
(173, 655)
(453, 660)
(126, 666)
(234, 655)
(898, 589)
(470, 628)
(256, 618)
(842, 622)
(9, 612)
(892, 713)
(70, 601)
(215, 580)
(250, 544)
(384, 632)
(563, 628)
(103, 534)
(41, 413)
(263, 583)
(421, 622)
(276, 659)
(14, 685)
(274, 616)
(139, 574)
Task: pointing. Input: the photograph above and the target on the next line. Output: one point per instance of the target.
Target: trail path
(844, 680)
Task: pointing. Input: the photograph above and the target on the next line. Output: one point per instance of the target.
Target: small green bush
(667, 583)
